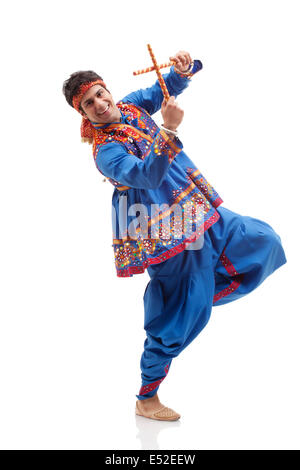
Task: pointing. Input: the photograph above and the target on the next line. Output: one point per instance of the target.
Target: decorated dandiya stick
(159, 75)
(150, 69)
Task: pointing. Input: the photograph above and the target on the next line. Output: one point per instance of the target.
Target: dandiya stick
(150, 69)
(159, 75)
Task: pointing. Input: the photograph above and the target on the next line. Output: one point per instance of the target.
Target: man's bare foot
(154, 409)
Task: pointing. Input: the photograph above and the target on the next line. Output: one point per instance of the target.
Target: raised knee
(270, 236)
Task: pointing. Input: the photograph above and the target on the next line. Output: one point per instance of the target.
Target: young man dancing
(197, 254)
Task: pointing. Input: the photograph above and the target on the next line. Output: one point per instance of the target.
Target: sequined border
(152, 386)
(233, 272)
(128, 272)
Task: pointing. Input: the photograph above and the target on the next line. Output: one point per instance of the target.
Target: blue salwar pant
(238, 254)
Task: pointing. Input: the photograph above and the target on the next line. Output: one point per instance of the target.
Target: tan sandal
(162, 414)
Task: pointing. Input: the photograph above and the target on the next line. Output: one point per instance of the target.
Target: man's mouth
(100, 114)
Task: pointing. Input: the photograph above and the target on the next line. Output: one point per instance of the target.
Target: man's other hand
(171, 113)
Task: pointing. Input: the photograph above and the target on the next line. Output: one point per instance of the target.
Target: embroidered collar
(132, 127)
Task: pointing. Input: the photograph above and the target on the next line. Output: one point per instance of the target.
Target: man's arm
(151, 98)
(115, 162)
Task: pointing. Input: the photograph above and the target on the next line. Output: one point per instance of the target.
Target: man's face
(98, 105)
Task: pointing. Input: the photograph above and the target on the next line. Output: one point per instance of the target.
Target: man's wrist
(170, 127)
(187, 71)
(171, 134)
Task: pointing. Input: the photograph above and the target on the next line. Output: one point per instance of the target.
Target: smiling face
(98, 105)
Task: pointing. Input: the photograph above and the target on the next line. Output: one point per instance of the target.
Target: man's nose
(100, 103)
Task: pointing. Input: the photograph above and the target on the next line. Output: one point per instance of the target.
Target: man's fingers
(178, 59)
(187, 58)
(171, 103)
(171, 99)
(182, 58)
(174, 59)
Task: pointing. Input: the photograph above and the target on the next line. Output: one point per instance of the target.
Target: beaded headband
(84, 87)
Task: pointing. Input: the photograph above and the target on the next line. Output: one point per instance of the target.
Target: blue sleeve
(151, 98)
(185, 161)
(113, 161)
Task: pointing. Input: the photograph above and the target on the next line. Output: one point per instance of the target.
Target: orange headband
(86, 129)
(82, 90)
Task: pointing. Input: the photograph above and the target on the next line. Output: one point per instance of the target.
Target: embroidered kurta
(161, 202)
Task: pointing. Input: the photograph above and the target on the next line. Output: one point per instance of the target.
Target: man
(197, 254)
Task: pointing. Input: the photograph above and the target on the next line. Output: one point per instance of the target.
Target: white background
(71, 332)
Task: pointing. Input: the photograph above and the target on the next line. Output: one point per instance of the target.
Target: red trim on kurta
(217, 202)
(169, 253)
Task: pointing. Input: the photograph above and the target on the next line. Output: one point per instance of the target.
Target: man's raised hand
(182, 61)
